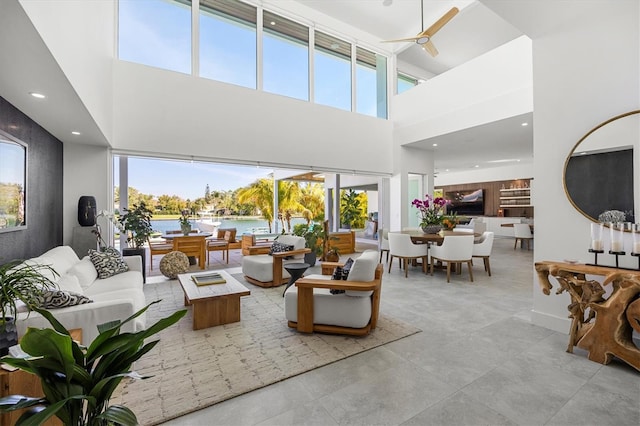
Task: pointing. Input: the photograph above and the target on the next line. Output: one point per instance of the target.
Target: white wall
(162, 111)
(81, 37)
(87, 170)
(581, 78)
(490, 87)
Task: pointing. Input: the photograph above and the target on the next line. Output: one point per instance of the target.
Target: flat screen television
(468, 202)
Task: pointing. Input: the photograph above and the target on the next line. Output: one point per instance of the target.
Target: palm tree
(288, 201)
(260, 194)
(312, 198)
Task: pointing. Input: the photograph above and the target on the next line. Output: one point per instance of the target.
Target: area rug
(196, 369)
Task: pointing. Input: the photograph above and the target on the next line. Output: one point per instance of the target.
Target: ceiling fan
(423, 39)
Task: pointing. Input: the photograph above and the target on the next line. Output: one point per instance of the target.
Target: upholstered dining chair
(455, 250)
(383, 241)
(522, 233)
(483, 249)
(401, 246)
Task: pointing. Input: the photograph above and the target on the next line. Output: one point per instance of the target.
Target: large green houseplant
(24, 282)
(351, 210)
(78, 381)
(136, 222)
(313, 235)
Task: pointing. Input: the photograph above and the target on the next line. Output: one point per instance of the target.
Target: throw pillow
(108, 263)
(277, 247)
(53, 299)
(69, 283)
(337, 275)
(85, 272)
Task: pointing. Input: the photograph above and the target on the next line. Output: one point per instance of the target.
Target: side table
(296, 270)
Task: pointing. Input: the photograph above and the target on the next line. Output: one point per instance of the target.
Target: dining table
(418, 237)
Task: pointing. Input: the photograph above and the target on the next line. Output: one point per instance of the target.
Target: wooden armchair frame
(158, 247)
(277, 268)
(305, 304)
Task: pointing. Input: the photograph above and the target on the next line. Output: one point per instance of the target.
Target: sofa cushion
(331, 309)
(84, 271)
(52, 299)
(363, 269)
(108, 263)
(61, 258)
(69, 282)
(260, 267)
(130, 280)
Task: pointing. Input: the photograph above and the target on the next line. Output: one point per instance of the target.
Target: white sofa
(116, 297)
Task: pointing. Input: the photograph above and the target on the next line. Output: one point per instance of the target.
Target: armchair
(310, 307)
(265, 270)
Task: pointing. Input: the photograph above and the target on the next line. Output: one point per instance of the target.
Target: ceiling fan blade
(430, 48)
(402, 39)
(441, 22)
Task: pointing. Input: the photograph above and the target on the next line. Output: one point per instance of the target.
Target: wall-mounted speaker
(87, 210)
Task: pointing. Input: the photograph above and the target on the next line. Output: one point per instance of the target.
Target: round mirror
(599, 171)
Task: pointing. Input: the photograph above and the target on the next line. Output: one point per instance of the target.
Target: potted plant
(78, 381)
(313, 235)
(185, 224)
(332, 255)
(19, 282)
(136, 222)
(431, 212)
(350, 209)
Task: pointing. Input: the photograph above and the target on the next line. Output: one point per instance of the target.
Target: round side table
(296, 270)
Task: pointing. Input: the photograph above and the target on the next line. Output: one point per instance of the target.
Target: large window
(228, 42)
(285, 53)
(156, 33)
(405, 83)
(332, 71)
(371, 83)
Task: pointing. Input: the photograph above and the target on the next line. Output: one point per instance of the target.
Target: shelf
(516, 189)
(514, 206)
(515, 197)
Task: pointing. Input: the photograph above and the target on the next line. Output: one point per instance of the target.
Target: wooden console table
(601, 325)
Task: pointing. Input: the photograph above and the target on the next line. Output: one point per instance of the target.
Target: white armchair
(266, 270)
(454, 250)
(310, 306)
(522, 232)
(401, 246)
(483, 249)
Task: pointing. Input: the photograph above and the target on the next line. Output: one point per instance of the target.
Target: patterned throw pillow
(52, 299)
(277, 247)
(108, 263)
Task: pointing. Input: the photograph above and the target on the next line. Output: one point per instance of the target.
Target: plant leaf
(16, 402)
(51, 344)
(119, 414)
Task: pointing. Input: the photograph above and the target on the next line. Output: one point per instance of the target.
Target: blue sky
(188, 180)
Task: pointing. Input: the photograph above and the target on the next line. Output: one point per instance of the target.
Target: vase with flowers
(185, 222)
(432, 213)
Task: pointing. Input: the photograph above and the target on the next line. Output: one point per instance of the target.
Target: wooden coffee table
(213, 304)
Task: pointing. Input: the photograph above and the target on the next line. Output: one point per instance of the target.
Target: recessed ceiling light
(435, 144)
(446, 170)
(75, 133)
(477, 165)
(525, 124)
(37, 95)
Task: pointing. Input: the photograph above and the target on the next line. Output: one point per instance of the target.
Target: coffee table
(213, 304)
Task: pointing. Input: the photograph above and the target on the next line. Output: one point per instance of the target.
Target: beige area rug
(196, 369)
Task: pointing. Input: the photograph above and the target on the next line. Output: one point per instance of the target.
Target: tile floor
(478, 361)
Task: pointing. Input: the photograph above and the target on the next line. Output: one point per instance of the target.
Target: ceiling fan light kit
(424, 38)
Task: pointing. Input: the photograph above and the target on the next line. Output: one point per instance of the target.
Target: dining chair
(401, 246)
(522, 232)
(455, 250)
(383, 238)
(219, 244)
(483, 249)
(158, 247)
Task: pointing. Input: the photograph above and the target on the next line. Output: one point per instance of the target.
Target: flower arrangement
(102, 244)
(185, 218)
(431, 210)
(449, 222)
